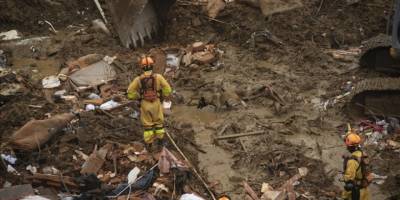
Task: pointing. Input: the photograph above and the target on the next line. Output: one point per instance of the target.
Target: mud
(295, 65)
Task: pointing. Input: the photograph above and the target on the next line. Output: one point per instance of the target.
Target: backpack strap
(143, 83)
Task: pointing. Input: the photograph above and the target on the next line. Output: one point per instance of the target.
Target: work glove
(348, 186)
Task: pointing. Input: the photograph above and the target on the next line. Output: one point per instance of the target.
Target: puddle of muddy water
(216, 162)
(40, 68)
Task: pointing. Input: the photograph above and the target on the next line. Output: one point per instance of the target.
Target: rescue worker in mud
(150, 88)
(355, 169)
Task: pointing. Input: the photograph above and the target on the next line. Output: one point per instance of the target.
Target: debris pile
(246, 119)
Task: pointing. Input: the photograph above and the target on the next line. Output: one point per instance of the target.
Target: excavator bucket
(138, 20)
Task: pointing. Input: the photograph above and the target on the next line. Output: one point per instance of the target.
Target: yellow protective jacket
(161, 85)
(353, 173)
(151, 112)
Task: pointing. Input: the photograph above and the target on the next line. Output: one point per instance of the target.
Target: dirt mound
(275, 161)
(29, 16)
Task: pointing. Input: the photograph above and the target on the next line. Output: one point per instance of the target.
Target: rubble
(16, 192)
(9, 158)
(269, 7)
(190, 197)
(3, 59)
(95, 161)
(97, 24)
(109, 105)
(214, 7)
(10, 35)
(92, 75)
(51, 82)
(254, 101)
(37, 132)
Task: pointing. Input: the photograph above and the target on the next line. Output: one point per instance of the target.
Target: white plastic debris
(32, 169)
(109, 105)
(97, 24)
(133, 174)
(190, 197)
(11, 169)
(378, 179)
(34, 197)
(303, 171)
(69, 97)
(159, 188)
(51, 82)
(50, 170)
(266, 187)
(9, 158)
(173, 60)
(90, 107)
(109, 59)
(94, 96)
(373, 138)
(167, 104)
(7, 184)
(134, 114)
(10, 35)
(60, 93)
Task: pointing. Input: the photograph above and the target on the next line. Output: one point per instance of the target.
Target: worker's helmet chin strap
(148, 68)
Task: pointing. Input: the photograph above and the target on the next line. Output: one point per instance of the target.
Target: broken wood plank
(239, 135)
(243, 145)
(54, 179)
(108, 114)
(250, 191)
(223, 129)
(195, 145)
(96, 160)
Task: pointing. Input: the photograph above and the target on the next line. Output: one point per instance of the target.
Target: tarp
(93, 75)
(37, 132)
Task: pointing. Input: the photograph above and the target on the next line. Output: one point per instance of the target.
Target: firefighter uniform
(151, 111)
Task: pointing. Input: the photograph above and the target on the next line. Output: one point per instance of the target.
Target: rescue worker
(355, 183)
(150, 88)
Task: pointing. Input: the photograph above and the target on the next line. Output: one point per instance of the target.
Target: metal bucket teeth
(137, 20)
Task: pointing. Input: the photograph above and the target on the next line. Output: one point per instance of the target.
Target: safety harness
(357, 184)
(148, 88)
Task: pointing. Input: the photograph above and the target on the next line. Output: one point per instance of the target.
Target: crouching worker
(150, 88)
(356, 170)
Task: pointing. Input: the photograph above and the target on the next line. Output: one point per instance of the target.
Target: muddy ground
(295, 64)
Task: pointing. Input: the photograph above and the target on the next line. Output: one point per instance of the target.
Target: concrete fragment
(393, 144)
(95, 74)
(266, 187)
(16, 192)
(95, 161)
(84, 61)
(99, 25)
(10, 35)
(303, 171)
(187, 59)
(269, 7)
(214, 7)
(203, 57)
(274, 195)
(198, 46)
